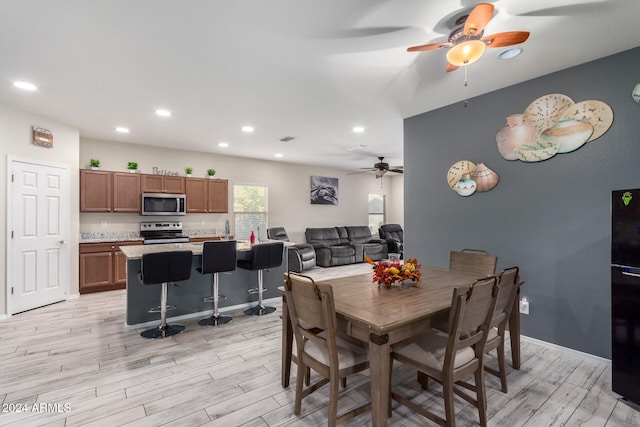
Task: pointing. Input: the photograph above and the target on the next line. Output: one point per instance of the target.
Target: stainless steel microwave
(164, 204)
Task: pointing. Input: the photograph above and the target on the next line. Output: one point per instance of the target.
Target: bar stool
(262, 257)
(163, 268)
(217, 257)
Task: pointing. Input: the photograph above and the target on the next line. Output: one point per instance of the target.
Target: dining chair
(313, 318)
(473, 261)
(509, 282)
(452, 357)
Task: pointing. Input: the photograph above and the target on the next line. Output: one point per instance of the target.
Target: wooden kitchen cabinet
(103, 267)
(105, 191)
(163, 184)
(218, 196)
(96, 191)
(207, 195)
(126, 192)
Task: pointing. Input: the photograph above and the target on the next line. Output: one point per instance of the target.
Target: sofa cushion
(322, 236)
(359, 234)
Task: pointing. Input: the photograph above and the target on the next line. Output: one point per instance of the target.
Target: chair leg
(217, 318)
(502, 367)
(481, 398)
(299, 387)
(260, 309)
(333, 401)
(449, 409)
(163, 330)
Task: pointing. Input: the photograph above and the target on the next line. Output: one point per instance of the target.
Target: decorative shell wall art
(553, 124)
(635, 94)
(466, 178)
(484, 177)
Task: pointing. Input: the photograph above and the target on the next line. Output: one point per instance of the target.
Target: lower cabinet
(103, 267)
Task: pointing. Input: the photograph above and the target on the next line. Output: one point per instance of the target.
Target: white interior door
(38, 227)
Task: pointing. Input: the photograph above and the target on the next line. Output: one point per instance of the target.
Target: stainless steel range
(162, 232)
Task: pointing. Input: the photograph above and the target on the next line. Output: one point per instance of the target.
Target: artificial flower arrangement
(388, 272)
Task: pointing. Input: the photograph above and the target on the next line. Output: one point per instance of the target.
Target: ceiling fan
(467, 41)
(381, 168)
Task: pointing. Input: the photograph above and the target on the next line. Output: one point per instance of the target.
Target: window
(250, 210)
(376, 212)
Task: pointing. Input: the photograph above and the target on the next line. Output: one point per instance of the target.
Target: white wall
(16, 140)
(288, 183)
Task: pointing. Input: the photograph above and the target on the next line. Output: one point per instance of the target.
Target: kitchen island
(187, 295)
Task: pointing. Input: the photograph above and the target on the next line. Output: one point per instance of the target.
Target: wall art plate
(545, 111)
(457, 170)
(598, 113)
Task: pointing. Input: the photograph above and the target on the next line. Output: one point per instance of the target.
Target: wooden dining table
(381, 317)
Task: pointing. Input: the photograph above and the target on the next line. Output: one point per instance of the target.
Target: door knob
(62, 242)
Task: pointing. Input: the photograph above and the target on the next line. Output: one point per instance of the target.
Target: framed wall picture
(324, 190)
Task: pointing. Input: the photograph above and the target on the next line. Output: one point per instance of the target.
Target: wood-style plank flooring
(74, 363)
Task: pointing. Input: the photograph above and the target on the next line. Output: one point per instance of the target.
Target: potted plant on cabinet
(211, 173)
(95, 164)
(188, 171)
(132, 166)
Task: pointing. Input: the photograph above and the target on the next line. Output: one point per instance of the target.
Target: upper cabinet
(104, 191)
(163, 184)
(207, 195)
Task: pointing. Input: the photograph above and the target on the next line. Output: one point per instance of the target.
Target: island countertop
(136, 252)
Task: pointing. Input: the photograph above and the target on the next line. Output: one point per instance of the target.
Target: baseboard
(565, 349)
(4, 316)
(73, 296)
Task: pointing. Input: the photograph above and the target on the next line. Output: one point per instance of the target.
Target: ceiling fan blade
(478, 19)
(396, 170)
(451, 67)
(505, 39)
(368, 170)
(430, 46)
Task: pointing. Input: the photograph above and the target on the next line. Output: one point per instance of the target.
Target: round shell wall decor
(466, 178)
(635, 93)
(484, 177)
(559, 124)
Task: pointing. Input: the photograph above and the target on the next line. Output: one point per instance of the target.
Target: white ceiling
(311, 69)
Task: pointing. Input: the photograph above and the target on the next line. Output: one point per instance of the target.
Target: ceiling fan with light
(467, 41)
(381, 168)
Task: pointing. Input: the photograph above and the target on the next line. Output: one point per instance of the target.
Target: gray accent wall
(551, 218)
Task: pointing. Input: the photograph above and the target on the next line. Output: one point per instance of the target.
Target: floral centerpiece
(389, 272)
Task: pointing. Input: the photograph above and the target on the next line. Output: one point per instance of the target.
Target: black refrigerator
(625, 293)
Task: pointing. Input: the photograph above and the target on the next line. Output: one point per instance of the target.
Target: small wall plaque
(42, 137)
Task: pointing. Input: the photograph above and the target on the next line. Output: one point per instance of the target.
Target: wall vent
(287, 138)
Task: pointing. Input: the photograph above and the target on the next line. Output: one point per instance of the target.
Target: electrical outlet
(524, 306)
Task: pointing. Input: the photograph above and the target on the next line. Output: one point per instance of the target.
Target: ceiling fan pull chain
(466, 85)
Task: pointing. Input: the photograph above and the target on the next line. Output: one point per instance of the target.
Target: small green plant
(188, 170)
(211, 172)
(132, 166)
(94, 163)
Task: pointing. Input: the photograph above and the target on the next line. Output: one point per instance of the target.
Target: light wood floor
(76, 364)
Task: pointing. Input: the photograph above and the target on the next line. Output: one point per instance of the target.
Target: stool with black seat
(163, 268)
(217, 257)
(262, 257)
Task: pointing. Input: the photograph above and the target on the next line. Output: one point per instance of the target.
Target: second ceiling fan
(467, 41)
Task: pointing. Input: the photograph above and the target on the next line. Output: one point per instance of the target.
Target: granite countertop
(136, 252)
(133, 236)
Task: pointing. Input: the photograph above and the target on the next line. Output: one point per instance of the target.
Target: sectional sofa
(345, 245)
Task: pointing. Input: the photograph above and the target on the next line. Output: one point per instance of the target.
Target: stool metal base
(162, 332)
(260, 310)
(220, 319)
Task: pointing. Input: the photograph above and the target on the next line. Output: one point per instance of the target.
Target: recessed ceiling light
(223, 144)
(247, 129)
(358, 129)
(122, 129)
(25, 86)
(278, 155)
(163, 113)
(510, 53)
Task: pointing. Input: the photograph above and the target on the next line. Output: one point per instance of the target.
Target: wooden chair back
(474, 261)
(508, 280)
(471, 312)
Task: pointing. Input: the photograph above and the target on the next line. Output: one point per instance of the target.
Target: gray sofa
(344, 245)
